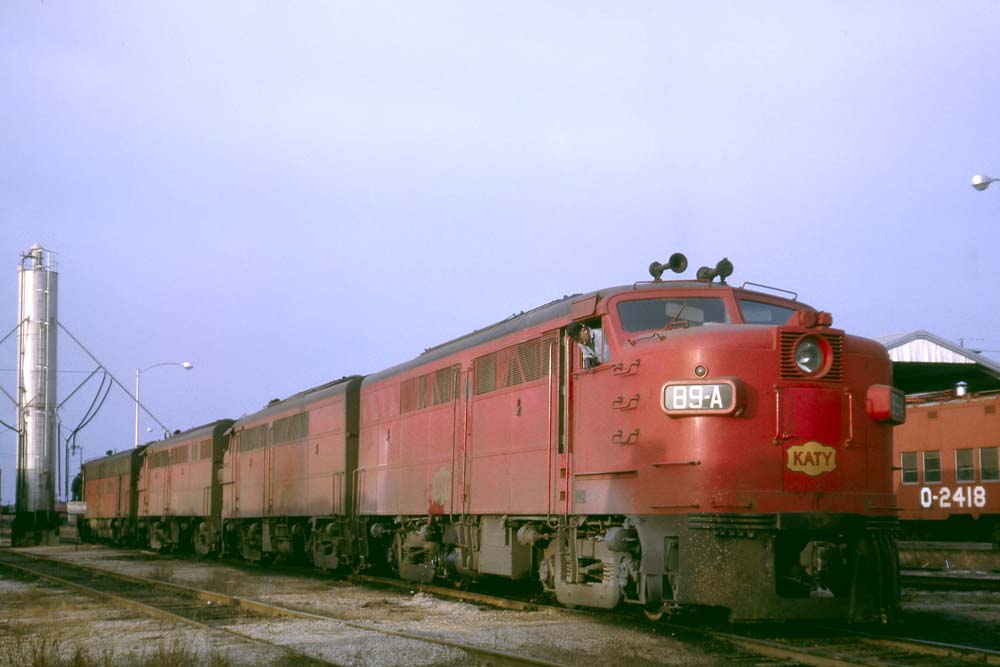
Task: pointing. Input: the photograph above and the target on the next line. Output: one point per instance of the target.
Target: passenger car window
(932, 467)
(989, 465)
(964, 469)
(908, 462)
(648, 314)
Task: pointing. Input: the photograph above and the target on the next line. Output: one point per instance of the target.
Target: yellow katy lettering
(812, 458)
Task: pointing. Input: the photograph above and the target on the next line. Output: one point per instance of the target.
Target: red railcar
(109, 485)
(287, 477)
(731, 450)
(179, 491)
(948, 472)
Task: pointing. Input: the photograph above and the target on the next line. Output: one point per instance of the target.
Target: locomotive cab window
(932, 467)
(650, 314)
(592, 347)
(908, 463)
(757, 312)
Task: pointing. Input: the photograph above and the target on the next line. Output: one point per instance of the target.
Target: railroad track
(219, 612)
(819, 647)
(948, 583)
(839, 647)
(805, 645)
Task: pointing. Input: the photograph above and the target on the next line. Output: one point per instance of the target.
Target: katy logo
(812, 458)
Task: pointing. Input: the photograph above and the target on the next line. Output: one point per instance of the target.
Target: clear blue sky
(284, 193)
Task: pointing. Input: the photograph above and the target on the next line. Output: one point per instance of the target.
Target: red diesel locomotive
(948, 463)
(176, 497)
(727, 448)
(109, 487)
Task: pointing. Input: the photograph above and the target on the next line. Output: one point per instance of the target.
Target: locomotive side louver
(791, 371)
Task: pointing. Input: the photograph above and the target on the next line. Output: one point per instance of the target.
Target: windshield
(756, 312)
(647, 314)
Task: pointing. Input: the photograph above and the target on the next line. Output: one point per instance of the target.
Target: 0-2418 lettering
(946, 498)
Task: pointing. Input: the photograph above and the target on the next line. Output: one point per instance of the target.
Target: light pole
(981, 182)
(186, 365)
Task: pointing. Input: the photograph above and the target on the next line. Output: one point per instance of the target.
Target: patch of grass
(22, 650)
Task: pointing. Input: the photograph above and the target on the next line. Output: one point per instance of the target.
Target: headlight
(809, 355)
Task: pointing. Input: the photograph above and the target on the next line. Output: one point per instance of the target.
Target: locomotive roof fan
(677, 263)
(723, 269)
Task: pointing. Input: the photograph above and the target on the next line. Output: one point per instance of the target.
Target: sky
(286, 193)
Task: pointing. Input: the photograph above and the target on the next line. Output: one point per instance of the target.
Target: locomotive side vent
(791, 371)
(486, 373)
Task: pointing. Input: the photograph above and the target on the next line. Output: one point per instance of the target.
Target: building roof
(923, 362)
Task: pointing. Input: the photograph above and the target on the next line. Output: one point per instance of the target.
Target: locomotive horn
(723, 269)
(677, 263)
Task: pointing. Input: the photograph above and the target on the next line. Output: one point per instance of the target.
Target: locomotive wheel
(653, 609)
(200, 540)
(394, 554)
(653, 616)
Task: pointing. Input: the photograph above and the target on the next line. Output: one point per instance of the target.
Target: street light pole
(186, 365)
(981, 182)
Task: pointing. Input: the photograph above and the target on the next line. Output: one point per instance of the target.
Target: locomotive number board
(699, 398)
(946, 498)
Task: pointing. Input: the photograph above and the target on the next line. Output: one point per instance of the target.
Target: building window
(932, 467)
(965, 469)
(908, 462)
(989, 465)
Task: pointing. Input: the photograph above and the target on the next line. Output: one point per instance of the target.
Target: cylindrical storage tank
(35, 520)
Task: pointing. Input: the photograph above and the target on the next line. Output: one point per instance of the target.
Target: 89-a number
(697, 397)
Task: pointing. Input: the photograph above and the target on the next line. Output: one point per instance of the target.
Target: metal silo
(35, 520)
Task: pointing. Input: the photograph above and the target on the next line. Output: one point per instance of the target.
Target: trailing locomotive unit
(179, 490)
(109, 488)
(731, 449)
(287, 476)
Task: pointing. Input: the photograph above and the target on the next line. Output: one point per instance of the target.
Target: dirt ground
(30, 609)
